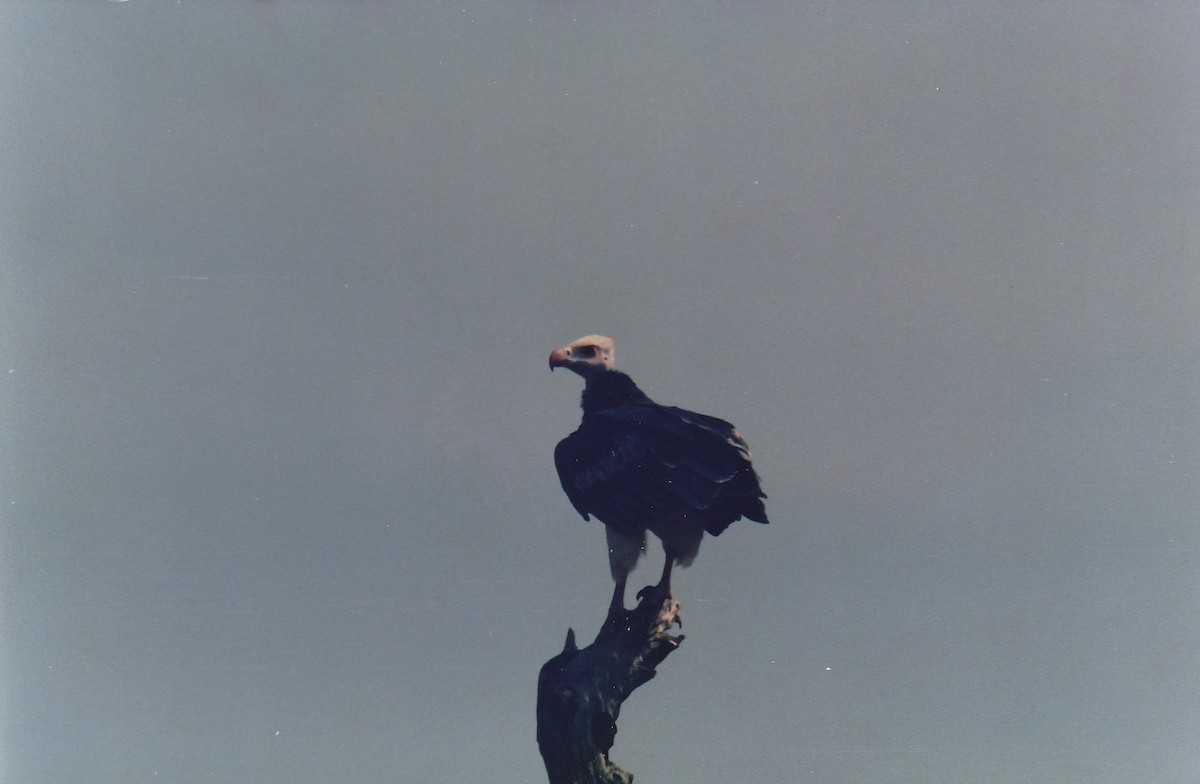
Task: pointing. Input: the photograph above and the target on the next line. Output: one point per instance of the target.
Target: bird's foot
(656, 606)
(657, 593)
(656, 599)
(654, 594)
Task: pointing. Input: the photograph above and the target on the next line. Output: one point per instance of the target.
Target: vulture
(639, 466)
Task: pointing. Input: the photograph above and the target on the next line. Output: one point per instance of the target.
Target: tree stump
(580, 691)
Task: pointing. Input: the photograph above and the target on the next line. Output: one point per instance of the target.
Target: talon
(654, 593)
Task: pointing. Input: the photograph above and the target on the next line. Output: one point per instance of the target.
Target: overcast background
(279, 284)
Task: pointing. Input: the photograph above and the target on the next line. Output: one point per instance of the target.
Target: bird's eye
(586, 352)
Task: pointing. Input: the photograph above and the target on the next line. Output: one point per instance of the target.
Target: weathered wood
(580, 691)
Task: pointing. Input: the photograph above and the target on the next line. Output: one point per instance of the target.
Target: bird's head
(588, 356)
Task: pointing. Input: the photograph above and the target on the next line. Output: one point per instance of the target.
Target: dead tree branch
(580, 691)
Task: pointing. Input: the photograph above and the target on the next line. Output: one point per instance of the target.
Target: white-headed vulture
(639, 466)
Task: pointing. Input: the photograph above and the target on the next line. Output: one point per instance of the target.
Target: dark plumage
(636, 466)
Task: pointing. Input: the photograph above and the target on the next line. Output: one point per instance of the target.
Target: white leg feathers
(623, 551)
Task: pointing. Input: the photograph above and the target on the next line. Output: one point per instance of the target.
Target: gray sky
(279, 284)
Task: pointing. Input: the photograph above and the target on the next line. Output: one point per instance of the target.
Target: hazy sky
(279, 284)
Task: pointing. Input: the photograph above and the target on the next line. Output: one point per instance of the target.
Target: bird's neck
(609, 390)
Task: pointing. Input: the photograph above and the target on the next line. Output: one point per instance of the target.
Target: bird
(639, 466)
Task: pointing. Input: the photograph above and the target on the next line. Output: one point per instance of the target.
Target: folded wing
(634, 467)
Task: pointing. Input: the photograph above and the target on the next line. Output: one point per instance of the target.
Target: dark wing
(722, 455)
(572, 457)
(632, 466)
(607, 471)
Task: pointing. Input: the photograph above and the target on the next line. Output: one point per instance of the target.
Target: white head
(588, 356)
